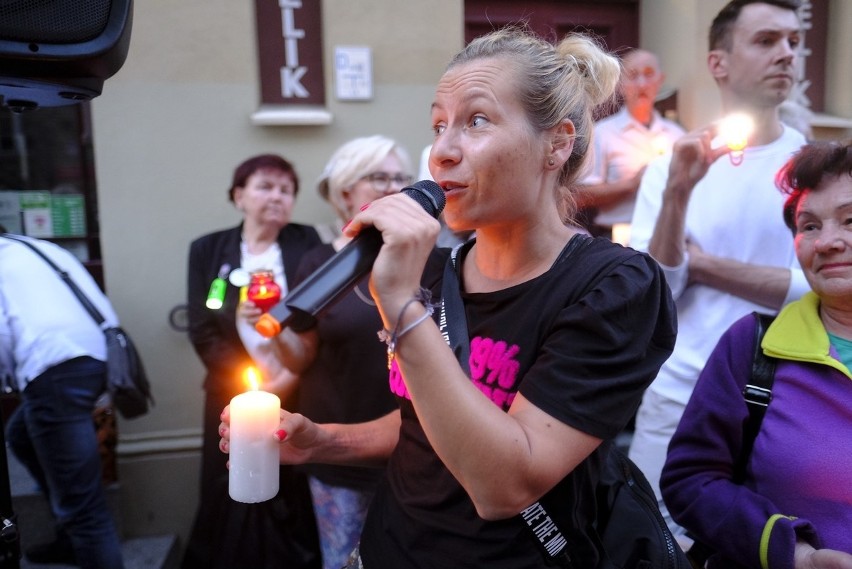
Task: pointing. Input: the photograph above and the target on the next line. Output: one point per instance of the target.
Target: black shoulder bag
(630, 528)
(127, 382)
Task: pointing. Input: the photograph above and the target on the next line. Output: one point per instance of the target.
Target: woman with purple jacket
(794, 507)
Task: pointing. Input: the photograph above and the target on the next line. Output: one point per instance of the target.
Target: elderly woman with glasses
(342, 368)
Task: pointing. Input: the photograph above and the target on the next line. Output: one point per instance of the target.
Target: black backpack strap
(452, 307)
(757, 393)
(66, 278)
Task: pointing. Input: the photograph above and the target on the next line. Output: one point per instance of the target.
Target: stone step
(35, 525)
(158, 552)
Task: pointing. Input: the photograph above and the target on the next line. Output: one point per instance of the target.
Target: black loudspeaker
(59, 52)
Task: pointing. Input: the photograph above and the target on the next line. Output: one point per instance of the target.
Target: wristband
(423, 296)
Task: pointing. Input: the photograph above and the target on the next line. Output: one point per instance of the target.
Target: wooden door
(615, 22)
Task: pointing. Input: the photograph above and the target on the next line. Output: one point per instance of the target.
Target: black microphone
(339, 274)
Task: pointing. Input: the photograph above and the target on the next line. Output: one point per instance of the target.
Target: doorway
(615, 23)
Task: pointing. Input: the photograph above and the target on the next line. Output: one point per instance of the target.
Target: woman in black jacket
(281, 531)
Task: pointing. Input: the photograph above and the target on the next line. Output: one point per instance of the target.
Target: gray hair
(354, 160)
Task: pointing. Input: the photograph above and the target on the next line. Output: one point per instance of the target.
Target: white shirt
(7, 360)
(622, 147)
(734, 212)
(261, 349)
(42, 323)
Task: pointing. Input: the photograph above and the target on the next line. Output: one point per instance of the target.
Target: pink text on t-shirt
(493, 369)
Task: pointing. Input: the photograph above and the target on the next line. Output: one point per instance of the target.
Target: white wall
(838, 77)
(676, 30)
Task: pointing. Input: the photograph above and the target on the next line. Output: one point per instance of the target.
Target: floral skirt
(354, 561)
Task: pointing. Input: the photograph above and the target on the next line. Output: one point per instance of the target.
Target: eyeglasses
(648, 74)
(381, 182)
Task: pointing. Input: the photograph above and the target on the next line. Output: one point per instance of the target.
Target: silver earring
(550, 162)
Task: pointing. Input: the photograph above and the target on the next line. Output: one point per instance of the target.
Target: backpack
(630, 527)
(631, 531)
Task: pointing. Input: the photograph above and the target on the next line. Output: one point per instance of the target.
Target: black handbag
(127, 383)
(630, 530)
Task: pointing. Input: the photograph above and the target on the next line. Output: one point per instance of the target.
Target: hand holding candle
(253, 475)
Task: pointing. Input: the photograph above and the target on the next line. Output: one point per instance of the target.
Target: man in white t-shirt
(58, 355)
(624, 143)
(714, 221)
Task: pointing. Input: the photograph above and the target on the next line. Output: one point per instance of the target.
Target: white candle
(253, 475)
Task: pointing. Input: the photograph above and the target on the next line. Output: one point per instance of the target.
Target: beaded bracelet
(423, 296)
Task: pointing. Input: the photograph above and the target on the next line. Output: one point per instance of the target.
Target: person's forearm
(668, 241)
(762, 285)
(691, 158)
(283, 384)
(364, 444)
(475, 438)
(296, 351)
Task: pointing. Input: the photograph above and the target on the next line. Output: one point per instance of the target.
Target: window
(47, 179)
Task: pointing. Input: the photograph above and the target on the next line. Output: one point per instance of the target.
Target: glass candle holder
(263, 291)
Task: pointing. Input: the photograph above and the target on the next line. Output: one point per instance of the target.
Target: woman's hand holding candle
(301, 441)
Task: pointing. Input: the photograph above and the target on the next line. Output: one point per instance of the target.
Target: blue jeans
(52, 434)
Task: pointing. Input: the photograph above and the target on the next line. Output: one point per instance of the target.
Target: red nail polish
(365, 206)
(345, 225)
(280, 434)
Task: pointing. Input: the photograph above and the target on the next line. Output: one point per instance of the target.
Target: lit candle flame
(252, 378)
(735, 131)
(660, 145)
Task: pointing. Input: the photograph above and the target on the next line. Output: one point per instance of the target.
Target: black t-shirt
(583, 358)
(348, 380)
